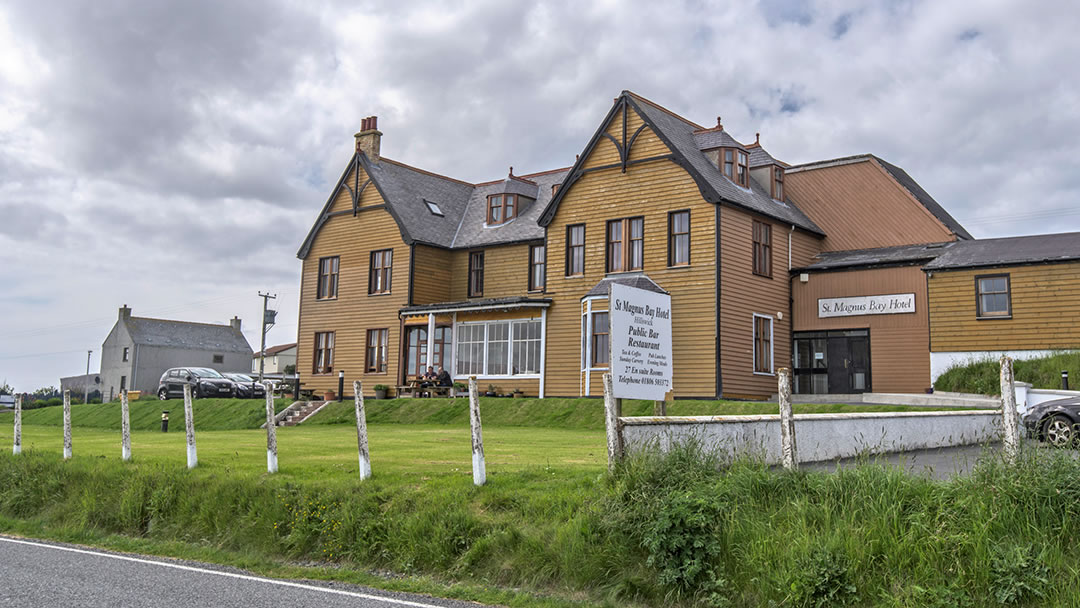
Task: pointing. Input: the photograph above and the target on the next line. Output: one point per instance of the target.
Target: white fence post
(16, 448)
(361, 430)
(189, 425)
(67, 425)
(1010, 423)
(479, 470)
(612, 411)
(271, 430)
(787, 421)
(125, 427)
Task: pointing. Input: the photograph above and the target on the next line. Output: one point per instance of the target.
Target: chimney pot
(369, 139)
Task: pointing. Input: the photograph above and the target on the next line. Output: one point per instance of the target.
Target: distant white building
(277, 359)
(138, 350)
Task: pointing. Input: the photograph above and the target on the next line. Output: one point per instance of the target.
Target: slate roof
(404, 190)
(679, 134)
(759, 158)
(1042, 248)
(715, 138)
(475, 232)
(637, 279)
(183, 334)
(901, 178)
(881, 256)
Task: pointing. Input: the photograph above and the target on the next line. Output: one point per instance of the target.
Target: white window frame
(509, 350)
(772, 345)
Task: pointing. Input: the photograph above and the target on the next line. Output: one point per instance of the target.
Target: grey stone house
(138, 350)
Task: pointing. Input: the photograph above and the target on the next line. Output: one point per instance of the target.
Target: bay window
(498, 348)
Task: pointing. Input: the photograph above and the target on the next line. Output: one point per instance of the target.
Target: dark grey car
(205, 382)
(1056, 422)
(246, 386)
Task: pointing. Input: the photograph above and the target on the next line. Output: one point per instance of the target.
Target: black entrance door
(836, 362)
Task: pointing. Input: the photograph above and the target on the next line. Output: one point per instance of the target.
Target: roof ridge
(839, 160)
(548, 172)
(663, 109)
(176, 321)
(426, 172)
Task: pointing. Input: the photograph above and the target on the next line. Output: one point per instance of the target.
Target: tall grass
(981, 376)
(668, 529)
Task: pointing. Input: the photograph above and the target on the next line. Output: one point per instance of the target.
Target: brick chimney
(235, 323)
(125, 312)
(369, 138)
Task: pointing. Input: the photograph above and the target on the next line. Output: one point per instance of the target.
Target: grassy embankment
(551, 528)
(145, 414)
(982, 376)
(662, 531)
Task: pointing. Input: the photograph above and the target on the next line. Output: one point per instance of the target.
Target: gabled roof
(759, 157)
(709, 139)
(406, 190)
(678, 134)
(901, 177)
(1038, 249)
(183, 334)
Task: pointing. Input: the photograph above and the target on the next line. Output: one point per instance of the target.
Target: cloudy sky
(172, 155)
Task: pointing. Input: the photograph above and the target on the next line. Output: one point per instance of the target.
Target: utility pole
(86, 382)
(262, 346)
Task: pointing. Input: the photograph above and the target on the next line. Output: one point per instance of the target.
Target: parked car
(1056, 422)
(7, 400)
(246, 386)
(205, 382)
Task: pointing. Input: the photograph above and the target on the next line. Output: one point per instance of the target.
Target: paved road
(36, 573)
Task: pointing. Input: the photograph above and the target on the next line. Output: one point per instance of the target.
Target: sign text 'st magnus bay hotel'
(846, 270)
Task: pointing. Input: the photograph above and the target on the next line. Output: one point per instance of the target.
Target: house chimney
(235, 323)
(369, 138)
(125, 312)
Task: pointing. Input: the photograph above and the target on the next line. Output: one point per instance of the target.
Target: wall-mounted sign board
(891, 304)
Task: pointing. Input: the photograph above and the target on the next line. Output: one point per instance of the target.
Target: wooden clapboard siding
(500, 315)
(354, 311)
(343, 199)
(860, 206)
(743, 294)
(506, 272)
(899, 344)
(432, 275)
(649, 189)
(804, 247)
(1045, 299)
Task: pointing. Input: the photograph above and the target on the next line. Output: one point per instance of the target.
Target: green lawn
(329, 453)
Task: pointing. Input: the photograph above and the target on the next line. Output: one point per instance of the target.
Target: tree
(5, 388)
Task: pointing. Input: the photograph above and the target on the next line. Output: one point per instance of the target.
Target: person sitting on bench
(443, 378)
(428, 379)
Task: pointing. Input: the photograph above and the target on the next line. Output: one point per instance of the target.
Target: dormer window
(778, 183)
(501, 208)
(735, 164)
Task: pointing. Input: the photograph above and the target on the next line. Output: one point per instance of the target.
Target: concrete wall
(819, 437)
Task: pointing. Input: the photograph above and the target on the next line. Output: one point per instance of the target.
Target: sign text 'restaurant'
(640, 343)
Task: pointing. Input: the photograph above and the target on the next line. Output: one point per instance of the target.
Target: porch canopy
(476, 305)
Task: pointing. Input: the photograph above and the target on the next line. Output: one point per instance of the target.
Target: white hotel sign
(641, 366)
(866, 305)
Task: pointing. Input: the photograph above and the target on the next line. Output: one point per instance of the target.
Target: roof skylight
(433, 208)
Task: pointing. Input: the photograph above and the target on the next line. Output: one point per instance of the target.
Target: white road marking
(243, 577)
